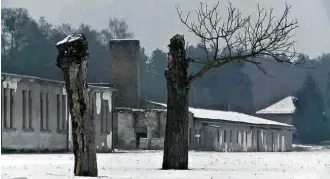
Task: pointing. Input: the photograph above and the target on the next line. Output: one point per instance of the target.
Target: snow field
(146, 165)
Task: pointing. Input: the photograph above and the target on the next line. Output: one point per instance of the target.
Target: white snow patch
(118, 40)
(284, 106)
(98, 103)
(228, 116)
(70, 132)
(240, 137)
(226, 146)
(109, 140)
(311, 147)
(220, 137)
(107, 95)
(11, 84)
(69, 38)
(64, 91)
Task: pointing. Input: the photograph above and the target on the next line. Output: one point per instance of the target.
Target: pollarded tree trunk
(72, 60)
(176, 137)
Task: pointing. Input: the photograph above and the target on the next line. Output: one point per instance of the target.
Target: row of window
(243, 136)
(105, 115)
(8, 108)
(8, 124)
(27, 123)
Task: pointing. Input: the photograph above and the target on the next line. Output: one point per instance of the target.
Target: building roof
(284, 106)
(229, 116)
(34, 78)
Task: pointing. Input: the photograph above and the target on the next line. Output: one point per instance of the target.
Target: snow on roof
(228, 116)
(284, 106)
(69, 38)
(11, 75)
(124, 40)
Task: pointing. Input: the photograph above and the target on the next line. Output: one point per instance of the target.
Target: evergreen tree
(144, 73)
(156, 88)
(309, 118)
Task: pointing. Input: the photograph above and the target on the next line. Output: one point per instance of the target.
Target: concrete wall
(144, 129)
(124, 71)
(236, 137)
(48, 128)
(283, 118)
(34, 136)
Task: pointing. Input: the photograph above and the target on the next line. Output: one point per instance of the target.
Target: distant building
(228, 131)
(282, 111)
(35, 114)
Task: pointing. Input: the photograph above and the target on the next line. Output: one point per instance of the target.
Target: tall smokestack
(124, 71)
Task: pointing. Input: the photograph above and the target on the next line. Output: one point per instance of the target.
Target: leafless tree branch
(239, 37)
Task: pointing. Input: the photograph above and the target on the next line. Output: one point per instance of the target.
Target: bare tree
(117, 29)
(72, 60)
(235, 38)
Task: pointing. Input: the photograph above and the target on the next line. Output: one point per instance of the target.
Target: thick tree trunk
(72, 60)
(176, 137)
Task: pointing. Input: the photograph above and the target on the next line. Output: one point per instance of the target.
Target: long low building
(35, 115)
(228, 131)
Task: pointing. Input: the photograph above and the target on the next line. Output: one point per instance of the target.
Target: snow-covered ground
(294, 165)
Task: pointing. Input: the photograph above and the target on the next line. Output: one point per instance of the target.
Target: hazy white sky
(154, 22)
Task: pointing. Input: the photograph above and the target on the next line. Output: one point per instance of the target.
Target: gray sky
(154, 22)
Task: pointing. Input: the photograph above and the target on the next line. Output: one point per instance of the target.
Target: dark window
(190, 137)
(104, 116)
(5, 108)
(246, 137)
(224, 136)
(11, 109)
(47, 112)
(242, 138)
(218, 135)
(24, 108)
(63, 113)
(58, 112)
(230, 136)
(92, 108)
(106, 111)
(42, 128)
(30, 110)
(237, 137)
(273, 142)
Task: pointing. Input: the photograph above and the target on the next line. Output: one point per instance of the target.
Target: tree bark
(72, 60)
(178, 85)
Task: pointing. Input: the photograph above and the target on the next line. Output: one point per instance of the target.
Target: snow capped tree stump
(72, 60)
(178, 85)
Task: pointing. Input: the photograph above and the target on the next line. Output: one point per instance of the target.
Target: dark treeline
(28, 48)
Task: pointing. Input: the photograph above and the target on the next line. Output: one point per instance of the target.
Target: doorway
(139, 135)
